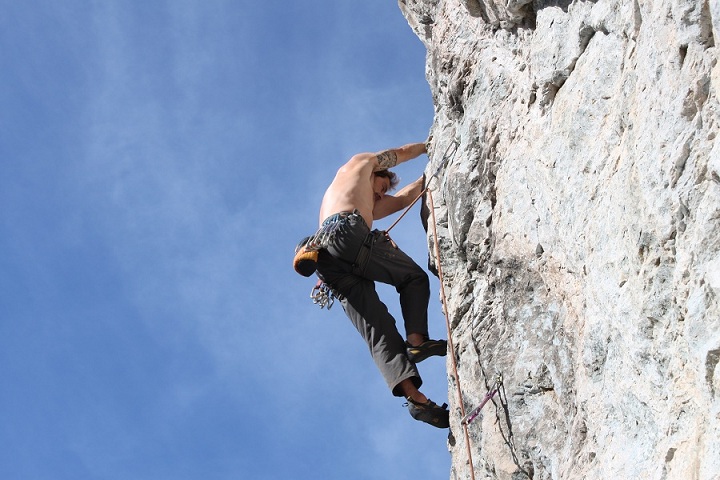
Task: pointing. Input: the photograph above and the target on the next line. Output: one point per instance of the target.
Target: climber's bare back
(356, 188)
(351, 189)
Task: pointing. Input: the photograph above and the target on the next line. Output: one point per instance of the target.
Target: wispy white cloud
(205, 140)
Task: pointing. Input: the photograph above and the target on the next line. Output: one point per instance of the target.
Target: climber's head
(383, 182)
(391, 176)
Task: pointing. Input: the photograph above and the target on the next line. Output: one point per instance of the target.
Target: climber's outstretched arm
(389, 158)
(390, 204)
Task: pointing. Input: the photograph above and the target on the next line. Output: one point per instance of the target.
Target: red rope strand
(449, 335)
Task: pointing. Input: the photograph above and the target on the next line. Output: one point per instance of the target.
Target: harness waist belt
(337, 217)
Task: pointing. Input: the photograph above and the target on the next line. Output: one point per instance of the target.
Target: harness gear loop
(322, 295)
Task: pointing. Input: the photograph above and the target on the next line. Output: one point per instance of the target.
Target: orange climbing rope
(449, 335)
(464, 422)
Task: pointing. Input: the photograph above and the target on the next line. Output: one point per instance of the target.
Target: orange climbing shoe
(426, 349)
(429, 413)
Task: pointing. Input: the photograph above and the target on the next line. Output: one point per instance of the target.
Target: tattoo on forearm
(387, 159)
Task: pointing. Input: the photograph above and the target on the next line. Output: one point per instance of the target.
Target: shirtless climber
(353, 258)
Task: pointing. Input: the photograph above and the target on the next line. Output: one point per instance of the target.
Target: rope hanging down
(449, 336)
(466, 418)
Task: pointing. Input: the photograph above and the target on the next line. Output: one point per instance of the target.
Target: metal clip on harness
(322, 295)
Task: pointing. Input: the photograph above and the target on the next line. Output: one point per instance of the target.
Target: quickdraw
(476, 411)
(322, 295)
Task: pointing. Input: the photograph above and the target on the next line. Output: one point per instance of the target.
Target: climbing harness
(307, 251)
(324, 295)
(476, 411)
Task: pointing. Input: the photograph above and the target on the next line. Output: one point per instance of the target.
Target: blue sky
(159, 162)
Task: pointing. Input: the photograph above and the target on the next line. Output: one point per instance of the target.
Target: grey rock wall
(579, 230)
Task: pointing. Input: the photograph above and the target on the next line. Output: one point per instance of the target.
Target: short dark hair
(394, 180)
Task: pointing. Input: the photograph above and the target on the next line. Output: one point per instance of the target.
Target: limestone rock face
(579, 231)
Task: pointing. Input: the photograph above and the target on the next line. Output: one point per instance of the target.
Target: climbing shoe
(426, 349)
(429, 413)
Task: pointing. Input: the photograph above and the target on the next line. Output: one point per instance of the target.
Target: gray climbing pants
(351, 262)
